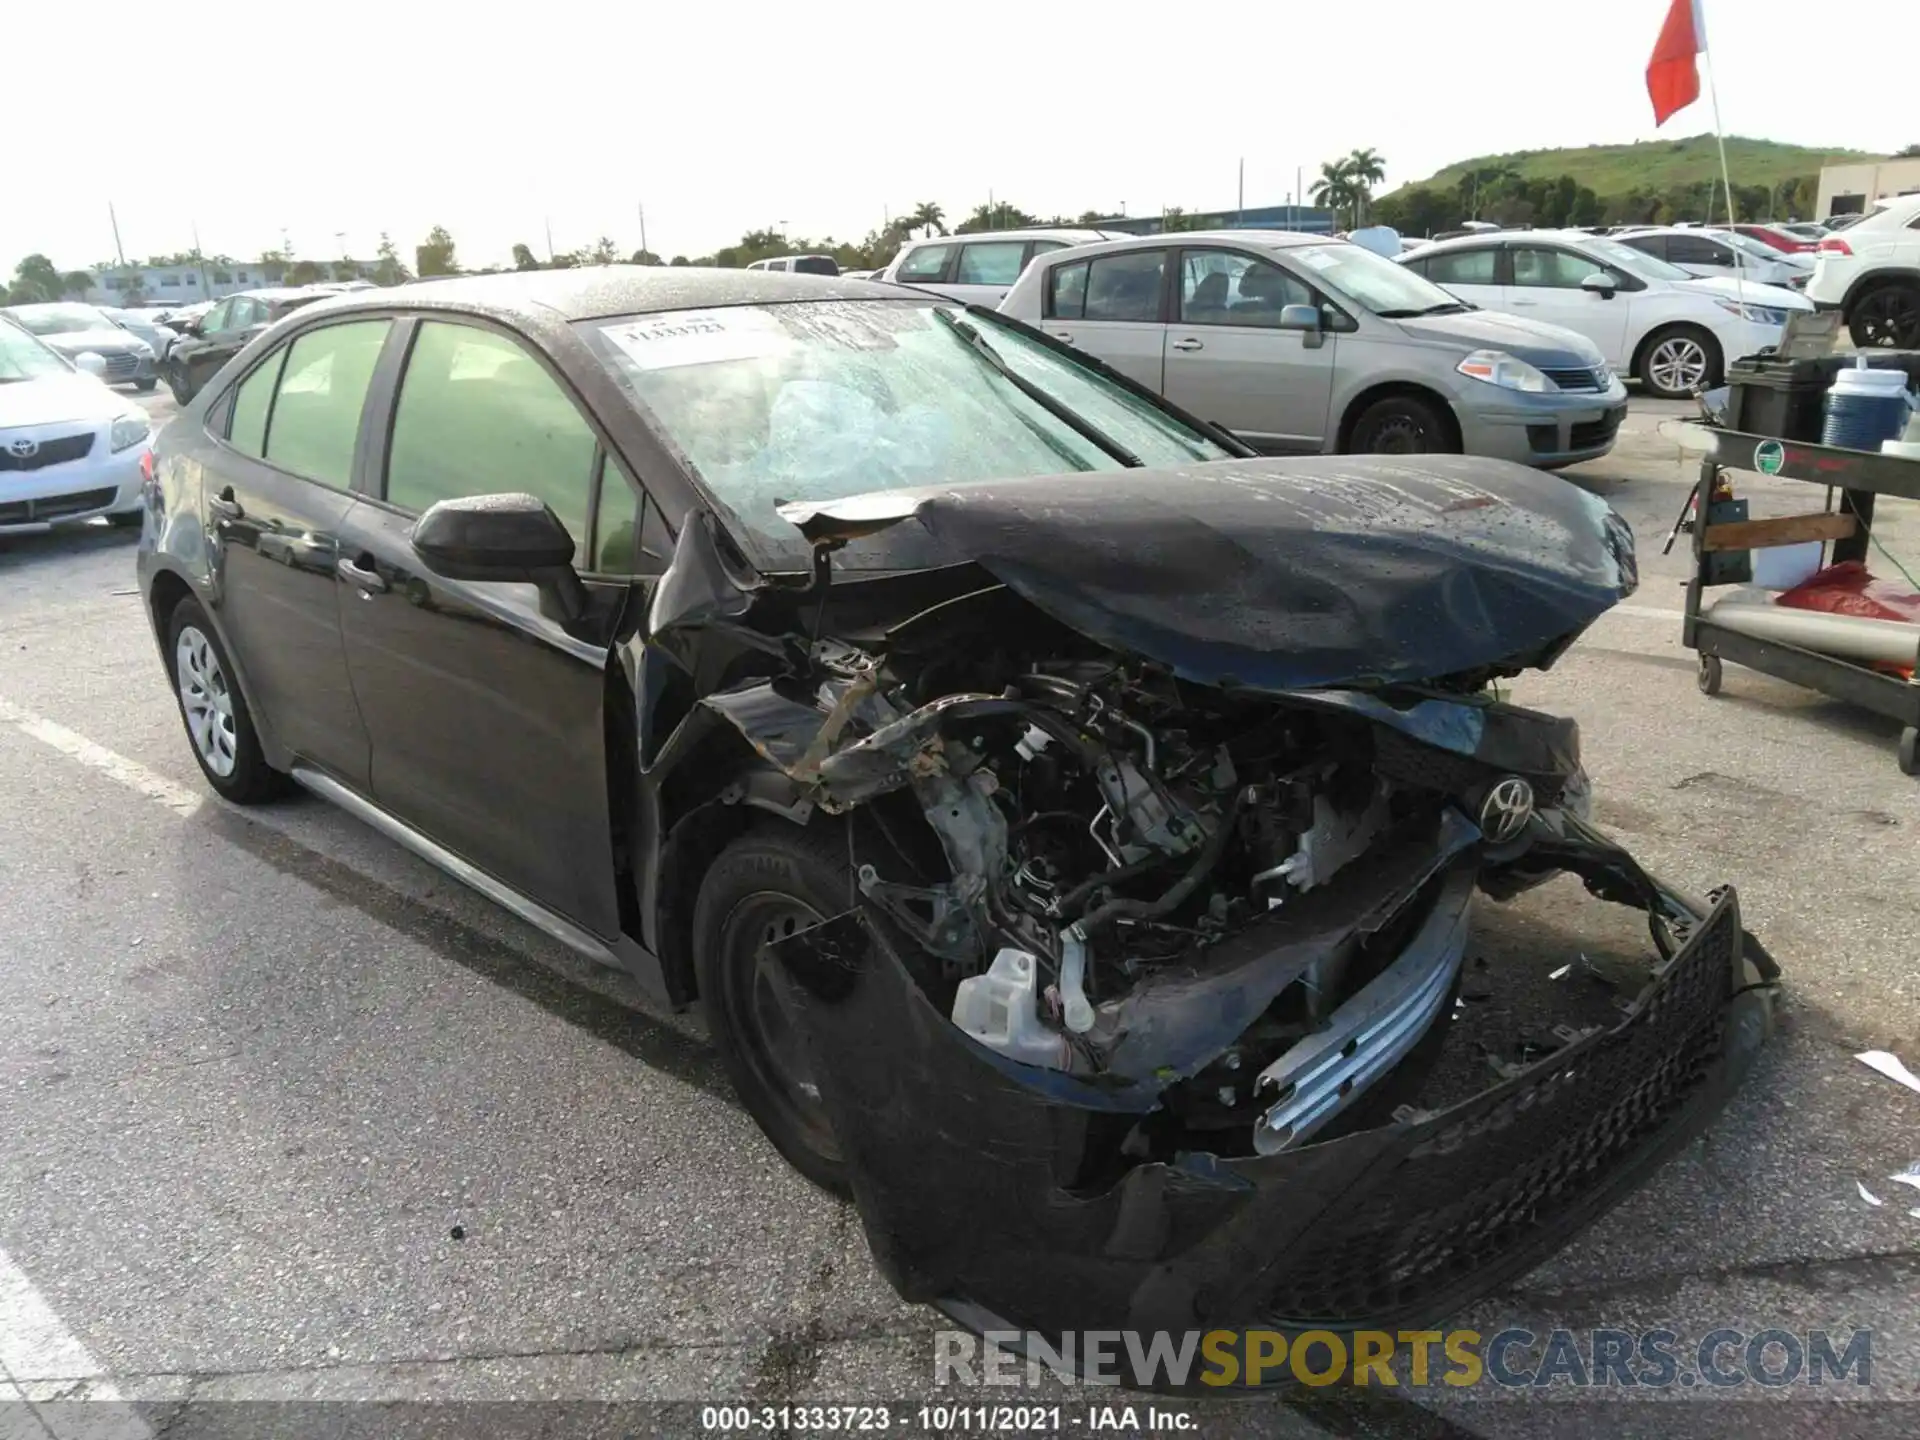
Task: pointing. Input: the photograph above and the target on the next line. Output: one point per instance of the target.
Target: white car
(1870, 273)
(1708, 254)
(979, 268)
(70, 448)
(1676, 334)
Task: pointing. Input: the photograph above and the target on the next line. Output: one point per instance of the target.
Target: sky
(332, 123)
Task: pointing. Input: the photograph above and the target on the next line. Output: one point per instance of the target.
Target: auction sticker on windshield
(698, 337)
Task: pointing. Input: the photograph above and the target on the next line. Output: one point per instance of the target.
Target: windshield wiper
(1086, 429)
(1446, 307)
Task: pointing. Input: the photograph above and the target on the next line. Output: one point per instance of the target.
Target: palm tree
(929, 214)
(1365, 169)
(1334, 189)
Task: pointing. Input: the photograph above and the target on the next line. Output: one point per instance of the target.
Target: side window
(316, 410)
(1218, 288)
(927, 262)
(215, 320)
(997, 262)
(247, 430)
(1067, 291)
(1543, 269)
(1697, 250)
(477, 415)
(616, 522)
(1125, 286)
(1041, 247)
(1462, 267)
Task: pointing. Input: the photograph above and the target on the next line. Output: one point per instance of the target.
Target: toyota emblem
(25, 448)
(1506, 810)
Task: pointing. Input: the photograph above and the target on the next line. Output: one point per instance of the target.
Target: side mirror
(500, 537)
(1299, 317)
(1599, 283)
(87, 362)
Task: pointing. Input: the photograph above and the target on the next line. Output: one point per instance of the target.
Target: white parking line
(130, 773)
(36, 1346)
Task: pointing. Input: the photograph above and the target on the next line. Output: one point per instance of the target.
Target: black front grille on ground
(1512, 1165)
(1582, 379)
(57, 507)
(47, 452)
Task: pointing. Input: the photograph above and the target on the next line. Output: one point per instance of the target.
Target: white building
(1850, 189)
(191, 283)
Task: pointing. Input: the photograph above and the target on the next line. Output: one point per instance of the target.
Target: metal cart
(1852, 478)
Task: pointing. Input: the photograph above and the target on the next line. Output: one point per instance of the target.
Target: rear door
(1115, 308)
(1228, 361)
(1546, 284)
(485, 705)
(278, 496)
(1472, 273)
(1700, 255)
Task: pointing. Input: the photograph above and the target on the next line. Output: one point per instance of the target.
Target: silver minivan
(1304, 344)
(978, 268)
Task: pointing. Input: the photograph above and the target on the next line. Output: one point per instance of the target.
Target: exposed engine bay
(1137, 874)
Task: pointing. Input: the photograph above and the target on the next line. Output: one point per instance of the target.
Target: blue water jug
(1865, 406)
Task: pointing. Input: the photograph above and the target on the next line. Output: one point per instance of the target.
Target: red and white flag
(1673, 80)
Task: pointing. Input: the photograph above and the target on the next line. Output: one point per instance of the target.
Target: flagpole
(1726, 179)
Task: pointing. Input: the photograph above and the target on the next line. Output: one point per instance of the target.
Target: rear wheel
(219, 726)
(1887, 316)
(1402, 425)
(1678, 361)
(767, 885)
(181, 387)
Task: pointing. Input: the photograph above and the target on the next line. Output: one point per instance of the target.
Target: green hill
(1658, 165)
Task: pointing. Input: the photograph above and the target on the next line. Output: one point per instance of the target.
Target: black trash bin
(1783, 398)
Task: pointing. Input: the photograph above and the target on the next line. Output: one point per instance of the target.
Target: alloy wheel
(1678, 365)
(206, 700)
(1888, 317)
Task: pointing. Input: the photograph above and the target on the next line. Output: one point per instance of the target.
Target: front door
(1114, 308)
(484, 702)
(1547, 285)
(1228, 361)
(276, 506)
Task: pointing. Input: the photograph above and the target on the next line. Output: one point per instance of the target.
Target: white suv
(979, 268)
(1870, 273)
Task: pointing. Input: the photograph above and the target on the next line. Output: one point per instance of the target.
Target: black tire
(143, 386)
(180, 385)
(126, 519)
(1708, 676)
(1909, 752)
(775, 879)
(1676, 360)
(1402, 425)
(248, 780)
(1886, 316)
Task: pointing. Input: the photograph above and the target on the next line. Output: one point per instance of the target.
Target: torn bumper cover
(970, 1170)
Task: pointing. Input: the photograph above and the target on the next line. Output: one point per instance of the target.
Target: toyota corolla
(1072, 825)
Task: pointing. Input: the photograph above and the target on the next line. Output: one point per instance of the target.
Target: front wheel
(219, 726)
(1402, 425)
(1678, 362)
(181, 387)
(767, 885)
(143, 386)
(1886, 317)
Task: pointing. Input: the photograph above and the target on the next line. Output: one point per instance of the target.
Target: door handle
(1063, 336)
(367, 582)
(1189, 343)
(225, 506)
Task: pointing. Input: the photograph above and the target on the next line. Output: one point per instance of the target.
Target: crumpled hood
(1288, 574)
(1534, 341)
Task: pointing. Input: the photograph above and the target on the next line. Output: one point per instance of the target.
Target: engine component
(1000, 1009)
(1334, 838)
(1076, 1009)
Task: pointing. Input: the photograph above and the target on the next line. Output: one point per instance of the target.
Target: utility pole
(200, 259)
(643, 228)
(549, 224)
(114, 220)
(1240, 196)
(340, 238)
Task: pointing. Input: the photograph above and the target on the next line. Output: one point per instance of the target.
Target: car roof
(1073, 235)
(602, 291)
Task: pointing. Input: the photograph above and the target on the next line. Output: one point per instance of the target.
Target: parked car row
(70, 447)
(75, 330)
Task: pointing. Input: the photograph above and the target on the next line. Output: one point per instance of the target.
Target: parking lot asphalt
(286, 1114)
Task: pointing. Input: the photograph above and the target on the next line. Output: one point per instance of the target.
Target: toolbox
(1782, 397)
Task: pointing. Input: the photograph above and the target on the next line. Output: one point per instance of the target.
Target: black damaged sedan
(1071, 824)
